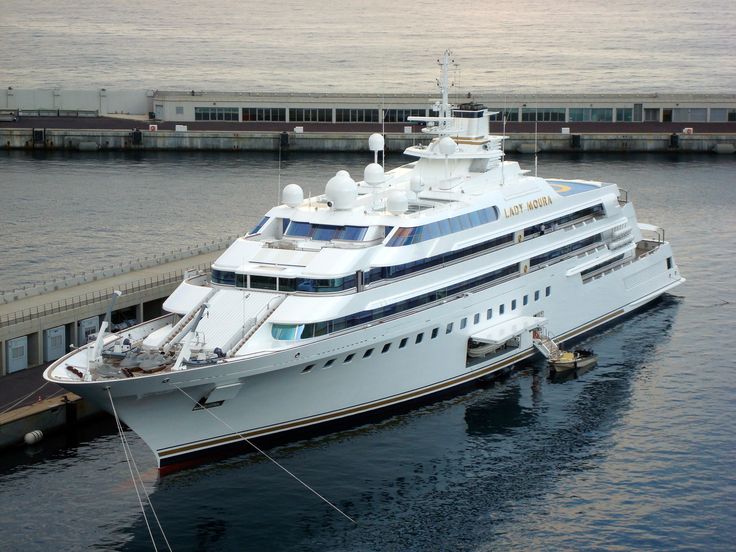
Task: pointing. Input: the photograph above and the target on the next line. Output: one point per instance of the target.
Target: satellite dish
(397, 202)
(447, 146)
(376, 142)
(293, 195)
(342, 191)
(373, 174)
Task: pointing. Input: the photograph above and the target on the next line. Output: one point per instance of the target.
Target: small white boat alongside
(573, 360)
(378, 293)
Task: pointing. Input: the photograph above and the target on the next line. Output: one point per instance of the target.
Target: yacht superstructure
(405, 284)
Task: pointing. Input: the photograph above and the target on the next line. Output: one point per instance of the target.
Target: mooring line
(131, 462)
(14, 404)
(145, 492)
(244, 438)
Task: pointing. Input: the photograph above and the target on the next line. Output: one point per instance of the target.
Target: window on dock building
(651, 114)
(591, 114)
(722, 115)
(624, 114)
(258, 114)
(689, 115)
(511, 114)
(401, 115)
(216, 113)
(356, 115)
(300, 115)
(543, 113)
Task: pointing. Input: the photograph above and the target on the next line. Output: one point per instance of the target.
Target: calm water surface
(637, 453)
(379, 46)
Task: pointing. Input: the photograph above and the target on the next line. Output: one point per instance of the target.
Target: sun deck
(572, 187)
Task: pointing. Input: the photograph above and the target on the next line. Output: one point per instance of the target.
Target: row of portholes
(433, 334)
(368, 352)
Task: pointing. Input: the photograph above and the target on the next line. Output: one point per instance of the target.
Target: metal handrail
(98, 296)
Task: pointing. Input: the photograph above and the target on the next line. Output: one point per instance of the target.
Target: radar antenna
(443, 121)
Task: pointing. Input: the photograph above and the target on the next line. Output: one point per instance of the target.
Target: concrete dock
(582, 137)
(27, 403)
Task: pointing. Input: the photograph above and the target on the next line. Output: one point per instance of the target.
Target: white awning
(501, 333)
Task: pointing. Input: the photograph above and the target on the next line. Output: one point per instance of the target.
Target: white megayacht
(378, 293)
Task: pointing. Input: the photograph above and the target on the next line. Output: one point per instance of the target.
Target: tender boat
(377, 294)
(567, 360)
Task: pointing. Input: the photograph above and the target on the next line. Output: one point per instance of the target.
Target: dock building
(396, 108)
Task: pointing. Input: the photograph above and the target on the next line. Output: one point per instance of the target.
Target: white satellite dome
(293, 195)
(376, 142)
(397, 202)
(373, 174)
(416, 183)
(341, 190)
(447, 146)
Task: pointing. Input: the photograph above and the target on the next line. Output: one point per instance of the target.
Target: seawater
(637, 453)
(380, 46)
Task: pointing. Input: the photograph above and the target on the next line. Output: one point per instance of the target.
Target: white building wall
(105, 102)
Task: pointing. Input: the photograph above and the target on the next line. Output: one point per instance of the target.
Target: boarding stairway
(546, 346)
(252, 324)
(178, 330)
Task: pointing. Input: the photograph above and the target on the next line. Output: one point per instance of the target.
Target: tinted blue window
(285, 224)
(222, 277)
(286, 331)
(298, 229)
(475, 218)
(431, 231)
(354, 233)
(257, 227)
(416, 234)
(455, 225)
(465, 222)
(322, 232)
(445, 227)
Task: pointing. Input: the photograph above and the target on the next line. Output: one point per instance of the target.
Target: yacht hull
(343, 378)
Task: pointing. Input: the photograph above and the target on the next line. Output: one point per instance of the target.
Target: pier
(38, 324)
(242, 121)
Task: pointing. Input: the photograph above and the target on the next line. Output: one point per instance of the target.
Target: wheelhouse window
(257, 227)
(262, 282)
(325, 232)
(286, 332)
(222, 277)
(316, 329)
(416, 234)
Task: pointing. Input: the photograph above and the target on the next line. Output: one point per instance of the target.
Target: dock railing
(8, 296)
(98, 296)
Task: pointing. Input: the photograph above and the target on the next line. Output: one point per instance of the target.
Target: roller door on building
(16, 357)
